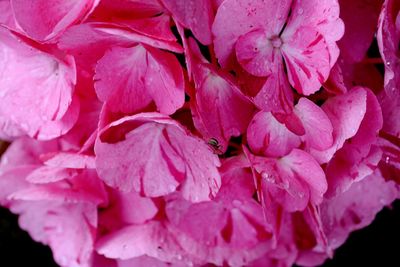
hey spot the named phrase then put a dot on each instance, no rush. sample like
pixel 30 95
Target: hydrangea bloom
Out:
pixel 190 133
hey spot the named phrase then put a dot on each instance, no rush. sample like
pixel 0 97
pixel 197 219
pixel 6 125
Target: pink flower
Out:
pixel 168 133
pixel 255 31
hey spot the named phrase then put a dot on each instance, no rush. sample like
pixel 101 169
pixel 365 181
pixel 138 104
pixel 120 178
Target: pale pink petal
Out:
pixel 125 209
pixel 12 180
pixel 49 222
pixel 144 74
pixel 267 136
pixel 150 239
pixel 148 262
pixel 153 155
pixel 52 79
pixel 70 160
pixel 256 54
pixel 75 188
pixel 318 127
pixel 197 15
pixel 237 17
pixel 43 20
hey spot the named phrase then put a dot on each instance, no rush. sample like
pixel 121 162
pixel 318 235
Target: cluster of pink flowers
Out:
pixel 195 132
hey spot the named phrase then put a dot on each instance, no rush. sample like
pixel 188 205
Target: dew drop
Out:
pixel 387 160
pixel 300 11
pixel 267 177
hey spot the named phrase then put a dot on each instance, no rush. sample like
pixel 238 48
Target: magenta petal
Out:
pixel 276 95
pixel 197 15
pixel 221 110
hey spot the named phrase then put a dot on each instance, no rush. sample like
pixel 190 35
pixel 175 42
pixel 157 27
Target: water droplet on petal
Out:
pixel 268 177
pixel 300 11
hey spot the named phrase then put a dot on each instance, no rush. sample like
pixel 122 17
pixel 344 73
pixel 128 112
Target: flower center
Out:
pixel 276 41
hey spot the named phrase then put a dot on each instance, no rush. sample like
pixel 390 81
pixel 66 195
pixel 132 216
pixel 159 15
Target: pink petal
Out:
pixel 75 188
pixel 346 113
pixel 125 209
pixel 352 210
pixel 238 226
pixel 267 136
pixel 237 17
pixel 276 95
pixel 151 239
pixel 358 158
pixel 323 17
pixel 256 54
pixel 151 154
pixel 292 181
pixel 70 160
pixel 155 27
pixel 6 15
pixel 197 15
pixel 318 127
pixel 43 20
pixel 53 79
pixel 221 110
pixel 66 228
pixel 307 59
pixel 144 75
pixel 148 262
pixel 306 168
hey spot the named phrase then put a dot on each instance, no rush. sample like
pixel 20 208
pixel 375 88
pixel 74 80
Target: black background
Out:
pixel 376 245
